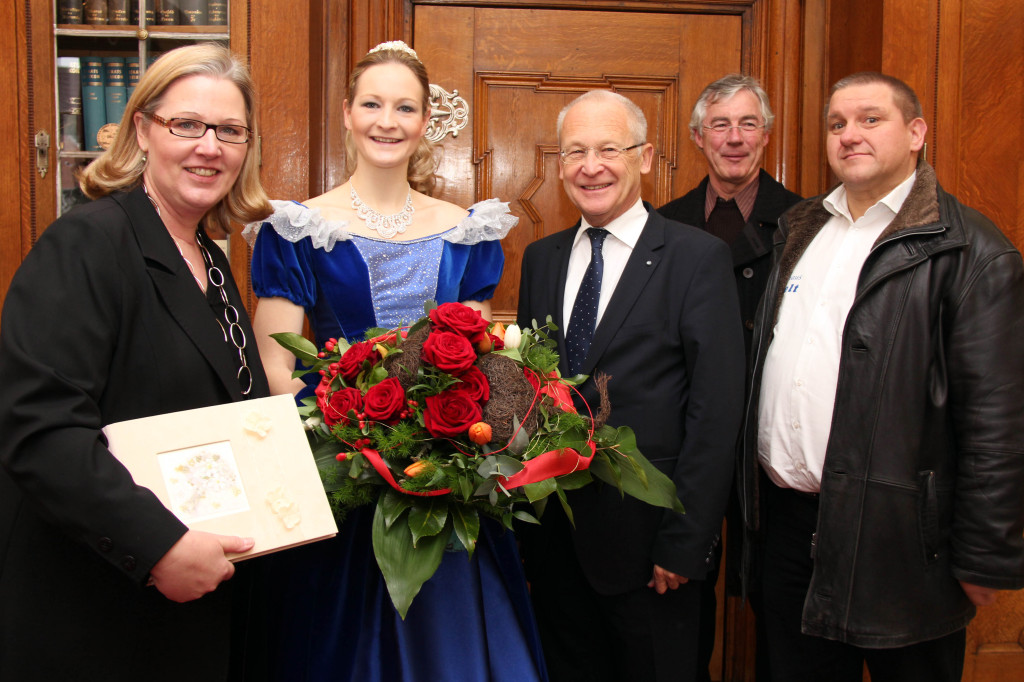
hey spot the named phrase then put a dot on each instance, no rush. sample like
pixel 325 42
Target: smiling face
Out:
pixel 386 116
pixel 189 176
pixel 871 147
pixel 734 158
pixel 602 190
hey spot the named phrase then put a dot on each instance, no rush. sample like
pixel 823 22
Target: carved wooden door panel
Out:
pixel 518 67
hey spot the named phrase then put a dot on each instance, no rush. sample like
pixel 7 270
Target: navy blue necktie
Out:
pixel 583 318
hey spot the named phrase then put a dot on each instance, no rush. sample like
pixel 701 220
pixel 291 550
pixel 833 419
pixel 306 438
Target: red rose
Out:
pixel 459 319
pixel 449 352
pixel 474 384
pixel 351 362
pixel 450 413
pixel 336 406
pixel 560 393
pixel 384 401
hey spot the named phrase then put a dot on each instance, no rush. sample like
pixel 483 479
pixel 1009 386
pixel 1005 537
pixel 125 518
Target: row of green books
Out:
pixel 157 12
pixel 92 93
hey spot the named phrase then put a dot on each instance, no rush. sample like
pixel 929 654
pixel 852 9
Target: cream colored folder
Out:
pixel 242 468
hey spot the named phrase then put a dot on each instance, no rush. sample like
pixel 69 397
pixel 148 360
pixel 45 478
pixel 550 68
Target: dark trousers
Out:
pixel 789 522
pixel 637 636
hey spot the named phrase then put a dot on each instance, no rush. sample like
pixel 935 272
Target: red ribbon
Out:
pixel 550 464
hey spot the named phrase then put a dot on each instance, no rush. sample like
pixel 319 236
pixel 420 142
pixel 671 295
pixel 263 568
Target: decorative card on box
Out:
pixel 242 468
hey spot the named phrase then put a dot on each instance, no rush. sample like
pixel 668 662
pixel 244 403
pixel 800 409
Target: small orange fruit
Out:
pixel 480 433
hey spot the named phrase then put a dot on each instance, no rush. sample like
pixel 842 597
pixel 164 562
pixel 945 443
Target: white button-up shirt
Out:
pixel 618 245
pixel 801 370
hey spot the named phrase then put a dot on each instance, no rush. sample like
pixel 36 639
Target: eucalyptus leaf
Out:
pixel 510 353
pixel 521 440
pixel 498 465
pixel 485 487
pixel 405 568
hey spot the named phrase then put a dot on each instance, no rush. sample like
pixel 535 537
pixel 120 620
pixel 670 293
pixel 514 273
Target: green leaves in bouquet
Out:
pixel 404 565
pixel 630 472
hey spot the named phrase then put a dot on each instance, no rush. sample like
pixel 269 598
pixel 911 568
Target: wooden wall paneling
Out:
pixel 335 32
pixel 349 30
pixel 964 59
pixel 523 78
pixel 279 58
pixel 37 113
pixel 990 101
pixel 812 174
pixel 12 206
pixel 910 52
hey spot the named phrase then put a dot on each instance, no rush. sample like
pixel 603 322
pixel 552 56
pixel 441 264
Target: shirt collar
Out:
pixel 626 228
pixel 745 198
pixel 836 202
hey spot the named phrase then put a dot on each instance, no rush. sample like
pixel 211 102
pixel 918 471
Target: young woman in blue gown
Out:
pixel 366 254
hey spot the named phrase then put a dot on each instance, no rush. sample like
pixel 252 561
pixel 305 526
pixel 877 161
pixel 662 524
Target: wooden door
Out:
pixel 517 68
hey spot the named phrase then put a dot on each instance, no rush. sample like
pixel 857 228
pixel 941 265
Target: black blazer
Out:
pixel 103 322
pixel 752 250
pixel 670 339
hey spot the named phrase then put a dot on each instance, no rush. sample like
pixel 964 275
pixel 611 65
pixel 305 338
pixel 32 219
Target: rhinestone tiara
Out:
pixel 396 45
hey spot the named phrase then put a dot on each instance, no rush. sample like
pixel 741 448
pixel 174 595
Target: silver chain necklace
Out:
pixel 387 226
pixel 233 333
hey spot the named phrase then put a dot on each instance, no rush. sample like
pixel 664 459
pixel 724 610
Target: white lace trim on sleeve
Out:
pixel 488 220
pixel 293 221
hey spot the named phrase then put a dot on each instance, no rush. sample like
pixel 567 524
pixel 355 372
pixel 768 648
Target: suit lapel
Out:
pixel 177 289
pixel 640 267
pixel 559 266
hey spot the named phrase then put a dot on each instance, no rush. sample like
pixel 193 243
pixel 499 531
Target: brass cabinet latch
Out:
pixel 42 153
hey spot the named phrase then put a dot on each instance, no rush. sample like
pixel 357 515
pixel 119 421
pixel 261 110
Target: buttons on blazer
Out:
pixel 129 563
pixel 748 272
pixel 105 544
pixel 749 324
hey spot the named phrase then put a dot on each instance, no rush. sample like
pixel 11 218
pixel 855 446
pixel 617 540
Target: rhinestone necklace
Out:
pixel 387 226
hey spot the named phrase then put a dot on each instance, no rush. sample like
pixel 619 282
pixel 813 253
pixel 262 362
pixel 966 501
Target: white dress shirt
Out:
pixel 801 370
pixel 618 245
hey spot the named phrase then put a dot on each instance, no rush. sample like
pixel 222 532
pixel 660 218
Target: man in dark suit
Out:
pixel 651 303
pixel 740 203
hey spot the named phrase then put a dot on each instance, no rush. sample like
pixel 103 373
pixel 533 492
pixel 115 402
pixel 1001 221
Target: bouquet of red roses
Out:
pixel 449 419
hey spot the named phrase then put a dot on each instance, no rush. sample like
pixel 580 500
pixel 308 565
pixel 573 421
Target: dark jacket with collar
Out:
pixel 924 465
pixel 670 340
pixel 752 250
pixel 103 322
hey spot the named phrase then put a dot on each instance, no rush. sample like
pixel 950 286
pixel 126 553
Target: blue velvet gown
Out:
pixel 325 606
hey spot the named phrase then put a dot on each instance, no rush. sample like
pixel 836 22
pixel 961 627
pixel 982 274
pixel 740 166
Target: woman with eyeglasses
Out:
pixel 125 308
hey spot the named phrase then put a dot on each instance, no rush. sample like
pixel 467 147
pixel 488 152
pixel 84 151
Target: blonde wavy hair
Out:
pixel 424 160
pixel 121 166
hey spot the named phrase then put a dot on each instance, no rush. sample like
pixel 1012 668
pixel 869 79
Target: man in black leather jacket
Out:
pixel 884 441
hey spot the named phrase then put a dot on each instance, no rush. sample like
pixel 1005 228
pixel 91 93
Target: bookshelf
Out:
pixel 100 49
pixel 45 112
